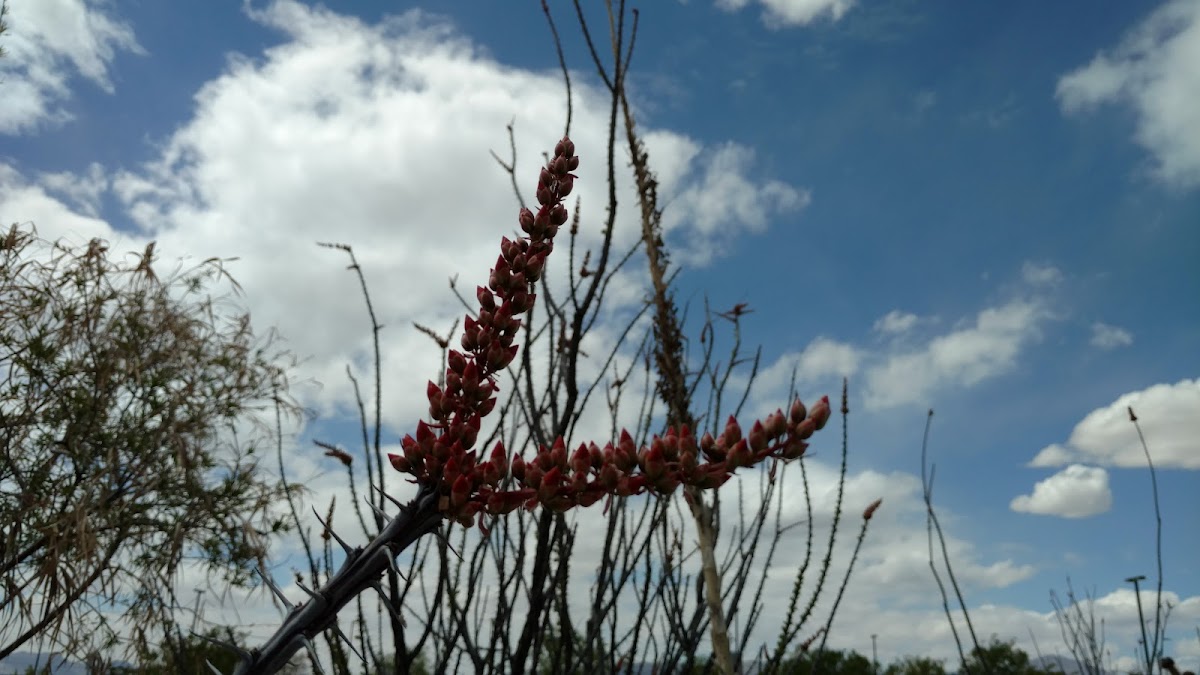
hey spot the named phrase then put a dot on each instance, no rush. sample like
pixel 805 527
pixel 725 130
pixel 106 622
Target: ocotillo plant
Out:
pixel 455 483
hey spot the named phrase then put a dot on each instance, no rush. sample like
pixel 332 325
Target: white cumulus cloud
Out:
pixel 378 135
pixel 720 193
pixel 818 367
pixel 1169 415
pixel 1040 274
pixel 1075 492
pixel 895 321
pixel 26 202
pixel 48 41
pixel 1156 71
pixel 782 13
pixel 983 349
pixel 1105 336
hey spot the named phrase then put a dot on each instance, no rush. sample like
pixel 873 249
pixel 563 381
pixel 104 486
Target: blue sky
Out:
pixel 991 210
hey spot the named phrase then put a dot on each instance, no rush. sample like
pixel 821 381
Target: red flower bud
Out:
pixel 671 446
pixel 413 451
pixel 820 413
pixel 498 356
pixel 486 406
pixel 499 278
pixel 470 377
pixel 541 221
pixel 455 361
pixel 450 473
pixel 533 476
pixel 518 284
pixel 518 468
pixel 440 451
pixel 657 444
pixel 757 437
pixel 687 460
pixel 542 459
pixel 565 147
pixel 732 433
pixel 798 412
pixel 550 484
pixel 470 336
pixel 487 299
pixel 533 270
pixel 432 391
pixel 453 381
pixel 870 511
pixel 499 457
pixel 558 166
pixel 739 455
pixel 805 428
pixel 469 433
pixel 489 473
pixel 708 445
pixel 425 436
pixel 609 477
pixel 525 218
pixel 652 462
pixel 400 463
pixel 626 443
pixel 581 460
pixel 597 455
pixel 517 262
pixel 776 424
pixel 558 453
pixel 558 215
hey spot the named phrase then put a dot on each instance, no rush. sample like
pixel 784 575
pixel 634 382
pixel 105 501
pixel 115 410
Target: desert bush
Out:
pixel 127 440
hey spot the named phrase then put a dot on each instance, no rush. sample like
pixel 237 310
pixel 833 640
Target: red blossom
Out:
pixel 440 451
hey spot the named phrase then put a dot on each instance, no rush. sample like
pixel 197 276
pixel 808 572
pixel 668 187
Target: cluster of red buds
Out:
pixel 441 452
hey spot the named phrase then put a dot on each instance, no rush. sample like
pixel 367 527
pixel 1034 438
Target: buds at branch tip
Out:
pixel 400 463
pixel 460 492
pixel 798 412
pixel 733 432
pixel 581 460
pixel 463 485
pixel 499 457
pixel 558 453
pixel 757 437
pixel 870 510
pixel 820 413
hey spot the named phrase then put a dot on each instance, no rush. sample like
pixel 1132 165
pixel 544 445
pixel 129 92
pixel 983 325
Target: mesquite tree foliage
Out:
pixel 126 441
